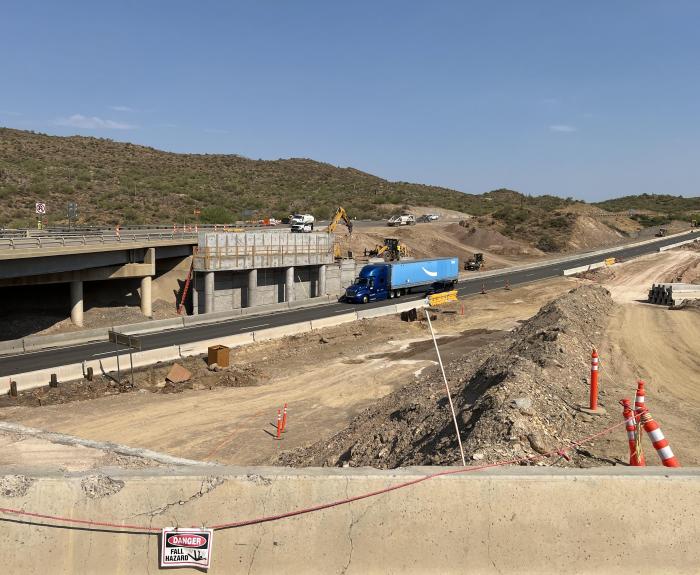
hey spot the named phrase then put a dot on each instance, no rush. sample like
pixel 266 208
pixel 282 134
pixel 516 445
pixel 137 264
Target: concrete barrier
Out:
pixel 333 320
pixel 37 342
pixel 676 245
pixel 282 331
pixel 39 378
pixel 264 309
pixel 376 311
pixel 148 326
pixel 200 347
pixel 581 269
pixel 509 520
pixel 404 306
pixel 11 346
pixel 204 318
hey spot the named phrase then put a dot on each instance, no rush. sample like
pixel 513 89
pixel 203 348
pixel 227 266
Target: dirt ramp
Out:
pixel 513 399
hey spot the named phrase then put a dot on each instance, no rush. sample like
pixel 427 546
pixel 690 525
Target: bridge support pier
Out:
pixel 146 308
pixel 76 302
pixel 252 298
pixel 208 292
pixel 289 284
pixel 321 289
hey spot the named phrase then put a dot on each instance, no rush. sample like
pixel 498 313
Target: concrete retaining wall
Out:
pixel 510 520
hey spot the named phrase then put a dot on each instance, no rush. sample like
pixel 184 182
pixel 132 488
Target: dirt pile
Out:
pixel 146 380
pixel 513 399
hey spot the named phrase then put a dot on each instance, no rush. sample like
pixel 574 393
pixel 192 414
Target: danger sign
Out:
pixel 186 547
pixel 40 208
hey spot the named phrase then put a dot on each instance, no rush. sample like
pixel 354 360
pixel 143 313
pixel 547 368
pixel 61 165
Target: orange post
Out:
pixel 284 417
pixel 634 440
pixel 483 288
pixel 279 424
pixel 658 440
pixel 594 381
pixel 507 284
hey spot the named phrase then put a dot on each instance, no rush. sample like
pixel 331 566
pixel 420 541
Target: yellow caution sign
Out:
pixel 441 298
pixel 609 261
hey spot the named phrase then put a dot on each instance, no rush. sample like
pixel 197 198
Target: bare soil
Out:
pixel 326 377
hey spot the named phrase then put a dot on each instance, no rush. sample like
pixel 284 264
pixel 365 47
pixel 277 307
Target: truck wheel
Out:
pixel 365 299
pixel 398 293
pixel 392 294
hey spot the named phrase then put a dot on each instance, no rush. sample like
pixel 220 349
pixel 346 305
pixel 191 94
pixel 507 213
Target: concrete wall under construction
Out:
pixel 232 288
pixel 248 269
pixel 508 520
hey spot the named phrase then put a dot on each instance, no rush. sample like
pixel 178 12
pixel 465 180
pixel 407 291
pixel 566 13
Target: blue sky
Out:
pixel 589 99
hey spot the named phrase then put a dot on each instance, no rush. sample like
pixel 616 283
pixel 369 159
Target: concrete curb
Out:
pixel 282 331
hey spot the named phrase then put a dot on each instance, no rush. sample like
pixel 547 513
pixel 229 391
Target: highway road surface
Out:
pixel 15 364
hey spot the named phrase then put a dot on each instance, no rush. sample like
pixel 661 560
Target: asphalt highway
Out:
pixel 14 364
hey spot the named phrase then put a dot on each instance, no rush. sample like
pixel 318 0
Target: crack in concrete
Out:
pixel 208 485
pixel 261 527
pixel 488 532
pixel 353 522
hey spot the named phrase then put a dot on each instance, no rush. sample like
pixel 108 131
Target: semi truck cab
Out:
pixel 370 285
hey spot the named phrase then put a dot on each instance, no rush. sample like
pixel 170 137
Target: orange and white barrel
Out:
pixel 658 440
pixel 636 455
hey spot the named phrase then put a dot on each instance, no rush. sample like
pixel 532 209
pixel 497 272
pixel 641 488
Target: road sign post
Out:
pixel 132 343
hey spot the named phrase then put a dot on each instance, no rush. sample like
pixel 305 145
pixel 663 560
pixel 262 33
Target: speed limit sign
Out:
pixel 40 208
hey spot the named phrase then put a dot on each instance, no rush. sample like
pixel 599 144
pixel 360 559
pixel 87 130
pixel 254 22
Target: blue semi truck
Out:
pixel 393 279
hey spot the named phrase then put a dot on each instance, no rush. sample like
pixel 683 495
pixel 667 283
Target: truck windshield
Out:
pixel 361 282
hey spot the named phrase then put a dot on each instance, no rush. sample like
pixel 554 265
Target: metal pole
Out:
pixel 119 373
pixel 449 395
pixel 131 361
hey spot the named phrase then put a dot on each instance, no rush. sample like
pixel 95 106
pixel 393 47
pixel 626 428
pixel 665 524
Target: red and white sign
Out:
pixel 40 208
pixel 186 547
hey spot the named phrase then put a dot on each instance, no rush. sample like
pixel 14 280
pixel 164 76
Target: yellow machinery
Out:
pixel 340 215
pixel 392 250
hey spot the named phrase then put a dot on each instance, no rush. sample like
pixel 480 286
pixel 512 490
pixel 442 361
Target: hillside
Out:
pixel 120 182
pixel 115 182
pixel 655 209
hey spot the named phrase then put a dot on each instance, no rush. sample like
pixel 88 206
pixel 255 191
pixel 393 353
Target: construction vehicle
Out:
pixel 661 233
pixel 475 264
pixel 302 223
pixel 403 220
pixel 392 250
pixel 340 215
pixel 394 279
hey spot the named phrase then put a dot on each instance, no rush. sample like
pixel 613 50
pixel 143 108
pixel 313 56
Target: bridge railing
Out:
pixel 54 241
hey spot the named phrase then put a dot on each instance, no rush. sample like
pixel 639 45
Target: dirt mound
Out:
pixel 515 398
pixel 490 240
pixel 590 233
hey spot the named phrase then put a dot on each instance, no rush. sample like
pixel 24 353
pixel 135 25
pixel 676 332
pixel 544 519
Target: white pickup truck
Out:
pixel 404 220
pixel 302 223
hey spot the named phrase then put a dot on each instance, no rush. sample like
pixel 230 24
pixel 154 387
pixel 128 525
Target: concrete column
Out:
pixel 208 292
pixel 146 308
pixel 321 285
pixel 76 303
pixel 252 288
pixel 289 284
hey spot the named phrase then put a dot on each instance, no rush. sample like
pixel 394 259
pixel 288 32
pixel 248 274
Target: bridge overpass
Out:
pixel 74 259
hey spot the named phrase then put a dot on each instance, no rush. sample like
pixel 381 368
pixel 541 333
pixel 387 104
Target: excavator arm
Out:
pixel 340 215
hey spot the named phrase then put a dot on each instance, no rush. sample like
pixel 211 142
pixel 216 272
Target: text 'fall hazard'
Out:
pixel 186 548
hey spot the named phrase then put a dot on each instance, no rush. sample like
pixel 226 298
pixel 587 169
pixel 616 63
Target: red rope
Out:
pixel 148 530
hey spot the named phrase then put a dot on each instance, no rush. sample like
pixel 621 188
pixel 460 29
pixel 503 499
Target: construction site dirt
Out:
pixel 370 392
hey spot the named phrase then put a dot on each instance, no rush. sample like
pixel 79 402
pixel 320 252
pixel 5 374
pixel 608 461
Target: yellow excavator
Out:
pixel 340 216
